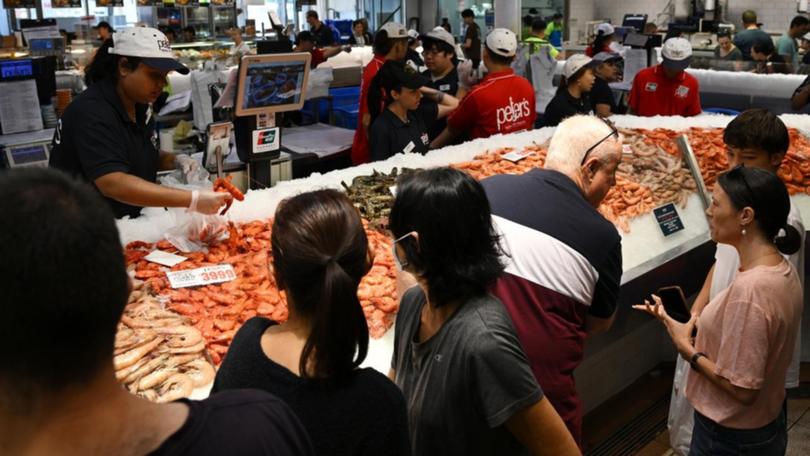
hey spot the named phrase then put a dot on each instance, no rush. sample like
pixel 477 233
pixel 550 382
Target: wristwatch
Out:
pixel 693 361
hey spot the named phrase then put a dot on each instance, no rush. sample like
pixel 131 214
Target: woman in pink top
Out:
pixel 746 333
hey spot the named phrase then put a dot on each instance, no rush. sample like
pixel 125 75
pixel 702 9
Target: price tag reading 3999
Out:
pixel 201 276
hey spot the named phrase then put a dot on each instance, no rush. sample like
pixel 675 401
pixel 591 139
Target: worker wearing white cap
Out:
pixel 412 58
pixel 439 52
pixel 107 134
pixel 572 94
pixel 667 89
pixel 501 103
pixel 605 34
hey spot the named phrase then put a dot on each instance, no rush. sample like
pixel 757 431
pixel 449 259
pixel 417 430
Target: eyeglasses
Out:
pixel 613 132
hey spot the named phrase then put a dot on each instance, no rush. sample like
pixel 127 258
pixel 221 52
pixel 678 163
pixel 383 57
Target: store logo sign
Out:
pixel 266 140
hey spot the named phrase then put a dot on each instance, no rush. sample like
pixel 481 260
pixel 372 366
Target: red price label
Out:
pixel 201 276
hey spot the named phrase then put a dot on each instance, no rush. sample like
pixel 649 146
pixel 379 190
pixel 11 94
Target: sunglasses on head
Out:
pixel 613 132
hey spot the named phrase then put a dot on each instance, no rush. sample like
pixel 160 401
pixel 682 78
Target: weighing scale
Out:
pixel 266 85
pixel 26 149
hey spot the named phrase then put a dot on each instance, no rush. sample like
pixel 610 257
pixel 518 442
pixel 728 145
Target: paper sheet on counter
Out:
pixel 19 107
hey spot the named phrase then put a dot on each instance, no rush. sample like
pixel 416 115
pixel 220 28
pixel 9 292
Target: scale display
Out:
pixel 12 69
pixel 28 155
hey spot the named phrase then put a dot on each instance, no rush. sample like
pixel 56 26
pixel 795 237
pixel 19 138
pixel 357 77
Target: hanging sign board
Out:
pixel 66 3
pixel 106 3
pixel 10 4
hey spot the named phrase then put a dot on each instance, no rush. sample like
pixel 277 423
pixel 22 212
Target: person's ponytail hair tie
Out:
pixel 788 241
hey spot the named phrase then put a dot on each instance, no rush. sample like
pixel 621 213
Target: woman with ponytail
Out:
pixel 605 36
pixel 404 122
pixel 311 361
pixel 746 334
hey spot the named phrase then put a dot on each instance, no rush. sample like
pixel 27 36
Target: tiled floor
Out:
pixel 608 419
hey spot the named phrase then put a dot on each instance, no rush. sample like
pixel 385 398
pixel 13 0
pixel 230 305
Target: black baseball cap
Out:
pixel 104 24
pixel 406 75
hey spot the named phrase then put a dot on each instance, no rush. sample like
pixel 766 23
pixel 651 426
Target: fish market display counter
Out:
pixel 652 174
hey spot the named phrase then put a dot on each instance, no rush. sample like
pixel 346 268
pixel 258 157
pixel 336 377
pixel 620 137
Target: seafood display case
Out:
pixel 652 174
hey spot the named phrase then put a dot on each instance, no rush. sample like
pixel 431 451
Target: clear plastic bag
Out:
pixel 198 233
pixel 681 414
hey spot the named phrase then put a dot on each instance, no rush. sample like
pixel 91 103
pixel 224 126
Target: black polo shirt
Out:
pixel 601 93
pixel 389 135
pixel 96 137
pixel 323 36
pixel 449 85
pixel 563 106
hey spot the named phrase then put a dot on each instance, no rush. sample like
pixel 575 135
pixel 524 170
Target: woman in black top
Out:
pixel 606 70
pixel 572 94
pixel 320 253
pixel 457 357
pixel 404 124
pixel 360 36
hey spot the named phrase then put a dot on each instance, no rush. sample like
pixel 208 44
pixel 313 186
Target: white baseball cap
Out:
pixel 150 45
pixel 677 53
pixel 502 42
pixel 439 34
pixel 413 35
pixel 605 29
pixel 394 30
pixel 575 63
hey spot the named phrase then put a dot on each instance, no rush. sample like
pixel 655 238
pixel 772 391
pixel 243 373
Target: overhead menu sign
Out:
pixel 106 3
pixel 10 4
pixel 66 3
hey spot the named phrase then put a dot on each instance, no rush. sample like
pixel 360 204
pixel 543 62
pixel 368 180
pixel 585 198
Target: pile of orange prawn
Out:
pixel 218 310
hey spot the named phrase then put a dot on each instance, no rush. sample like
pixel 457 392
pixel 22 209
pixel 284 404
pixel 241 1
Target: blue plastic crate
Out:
pixel 346 118
pixel 322 110
pixel 345 97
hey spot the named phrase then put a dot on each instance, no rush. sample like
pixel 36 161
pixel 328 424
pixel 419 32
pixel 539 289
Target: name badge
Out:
pixel 682 91
pixel 444 87
pixel 411 146
pixel 651 87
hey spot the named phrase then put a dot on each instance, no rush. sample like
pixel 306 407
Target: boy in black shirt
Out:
pixel 58 391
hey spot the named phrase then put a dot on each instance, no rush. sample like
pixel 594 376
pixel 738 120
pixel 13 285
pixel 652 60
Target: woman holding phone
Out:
pixel 746 334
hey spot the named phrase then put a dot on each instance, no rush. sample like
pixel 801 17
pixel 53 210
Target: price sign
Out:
pixel 201 276
pixel 517 155
pixel 668 219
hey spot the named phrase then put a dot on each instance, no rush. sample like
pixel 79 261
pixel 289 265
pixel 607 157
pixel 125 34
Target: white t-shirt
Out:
pixel 728 263
pixel 236 52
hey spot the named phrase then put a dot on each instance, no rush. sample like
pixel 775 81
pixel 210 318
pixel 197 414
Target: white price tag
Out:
pixel 164 258
pixel 517 156
pixel 201 276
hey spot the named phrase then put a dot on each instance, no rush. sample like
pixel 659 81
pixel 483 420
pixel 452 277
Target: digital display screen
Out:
pixel 40 45
pixel 28 154
pixel 273 84
pixel 10 69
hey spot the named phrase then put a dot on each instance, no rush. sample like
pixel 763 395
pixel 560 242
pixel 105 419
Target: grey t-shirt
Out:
pixel 465 382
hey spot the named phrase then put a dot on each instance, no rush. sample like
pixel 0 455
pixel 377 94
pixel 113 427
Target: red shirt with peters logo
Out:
pixel 360 151
pixel 654 94
pixel 501 103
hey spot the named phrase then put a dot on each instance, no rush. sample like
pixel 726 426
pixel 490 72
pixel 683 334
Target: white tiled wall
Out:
pixel 774 14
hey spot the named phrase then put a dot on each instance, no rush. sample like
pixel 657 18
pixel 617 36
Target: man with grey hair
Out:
pixel 561 281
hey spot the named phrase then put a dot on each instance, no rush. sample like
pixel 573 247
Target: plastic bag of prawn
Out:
pixel 199 230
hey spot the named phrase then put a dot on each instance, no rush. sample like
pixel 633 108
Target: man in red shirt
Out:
pixel 390 43
pixel 666 89
pixel 305 42
pixel 501 103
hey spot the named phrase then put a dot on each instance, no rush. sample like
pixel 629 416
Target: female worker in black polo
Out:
pixel 404 123
pixel 106 135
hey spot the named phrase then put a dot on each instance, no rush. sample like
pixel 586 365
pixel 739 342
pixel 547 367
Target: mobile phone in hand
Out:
pixel 674 303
